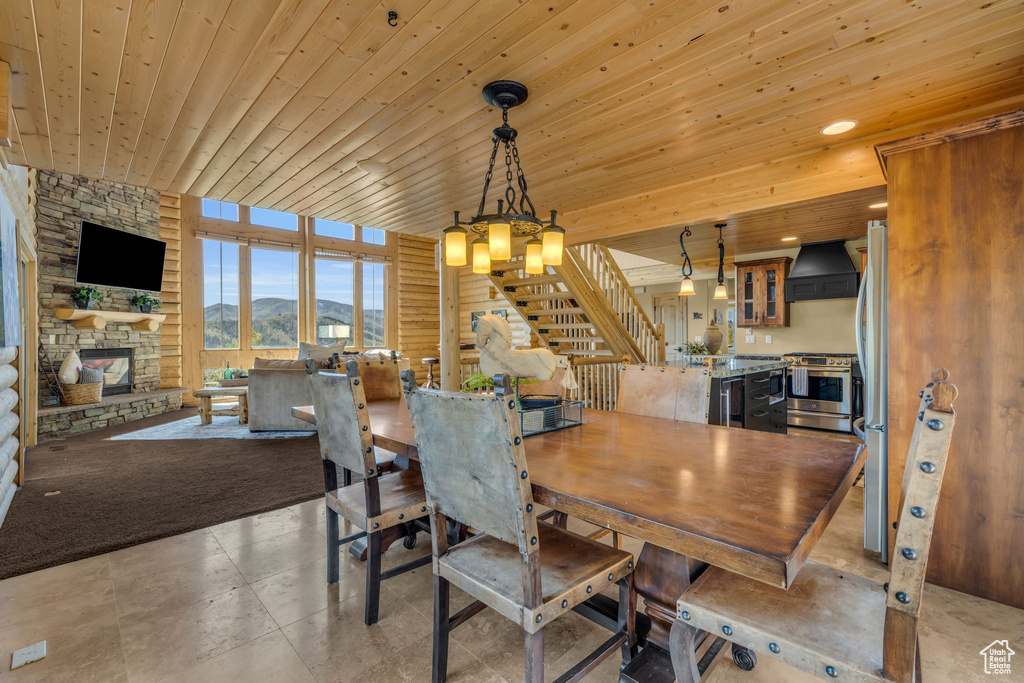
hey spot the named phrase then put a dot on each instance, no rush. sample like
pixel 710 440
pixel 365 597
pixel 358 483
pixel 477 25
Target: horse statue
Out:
pixel 498 356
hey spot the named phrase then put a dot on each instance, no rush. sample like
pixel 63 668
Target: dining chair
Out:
pixel 475 473
pixel 671 393
pixel 374 504
pixel 830 623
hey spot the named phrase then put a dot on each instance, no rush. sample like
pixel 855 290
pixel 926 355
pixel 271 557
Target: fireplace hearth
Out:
pixel 116 365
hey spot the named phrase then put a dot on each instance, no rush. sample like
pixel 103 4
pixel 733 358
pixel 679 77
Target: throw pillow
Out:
pixel 91 375
pixel 70 369
pixel 317 352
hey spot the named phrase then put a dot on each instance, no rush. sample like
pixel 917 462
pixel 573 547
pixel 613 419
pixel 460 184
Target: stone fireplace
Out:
pixel 116 365
pixel 62 202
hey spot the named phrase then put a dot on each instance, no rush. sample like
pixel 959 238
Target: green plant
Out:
pixel 146 300
pixel 479 380
pixel 696 348
pixel 86 294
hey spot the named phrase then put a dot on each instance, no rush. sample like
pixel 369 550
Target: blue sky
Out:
pixel 274 274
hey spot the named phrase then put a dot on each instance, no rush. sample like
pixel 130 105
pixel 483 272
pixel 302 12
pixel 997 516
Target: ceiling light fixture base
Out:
pixel 505 94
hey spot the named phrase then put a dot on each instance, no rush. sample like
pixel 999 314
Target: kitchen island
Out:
pixel 747 392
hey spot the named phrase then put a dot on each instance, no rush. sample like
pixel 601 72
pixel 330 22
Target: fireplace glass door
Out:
pixel 116 365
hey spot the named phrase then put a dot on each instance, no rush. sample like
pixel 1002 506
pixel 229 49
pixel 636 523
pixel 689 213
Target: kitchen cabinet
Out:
pixel 760 293
pixel 746 402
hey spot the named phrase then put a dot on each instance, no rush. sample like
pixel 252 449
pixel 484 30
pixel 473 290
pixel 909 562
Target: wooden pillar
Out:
pixel 449 356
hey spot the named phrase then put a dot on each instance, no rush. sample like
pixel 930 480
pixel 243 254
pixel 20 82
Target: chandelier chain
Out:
pixel 510 192
pixel 487 178
pixel 523 196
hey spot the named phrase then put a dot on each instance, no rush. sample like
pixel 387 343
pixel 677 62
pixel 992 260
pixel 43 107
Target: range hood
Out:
pixel 823 270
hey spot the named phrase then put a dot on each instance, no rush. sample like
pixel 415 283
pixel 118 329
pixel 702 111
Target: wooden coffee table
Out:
pixel 207 395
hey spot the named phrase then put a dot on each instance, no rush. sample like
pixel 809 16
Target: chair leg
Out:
pixel 373 553
pixel 684 657
pixel 439 668
pixel 627 617
pixel 534 657
pixel 333 547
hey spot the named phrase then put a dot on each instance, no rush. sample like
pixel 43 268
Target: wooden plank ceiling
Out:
pixel 836 217
pixel 642 114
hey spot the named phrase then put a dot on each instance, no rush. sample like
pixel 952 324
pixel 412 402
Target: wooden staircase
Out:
pixel 583 307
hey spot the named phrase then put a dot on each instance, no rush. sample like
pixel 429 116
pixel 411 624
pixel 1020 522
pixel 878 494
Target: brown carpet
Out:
pixel 115 494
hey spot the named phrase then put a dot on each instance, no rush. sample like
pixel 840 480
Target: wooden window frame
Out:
pixel 308 245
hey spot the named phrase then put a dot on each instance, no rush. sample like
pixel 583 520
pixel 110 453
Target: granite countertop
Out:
pixel 735 367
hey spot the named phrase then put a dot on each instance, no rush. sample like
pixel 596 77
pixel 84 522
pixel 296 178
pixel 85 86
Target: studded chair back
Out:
pixel 473 462
pixel 382 378
pixel 342 420
pixel 925 467
pixel 672 393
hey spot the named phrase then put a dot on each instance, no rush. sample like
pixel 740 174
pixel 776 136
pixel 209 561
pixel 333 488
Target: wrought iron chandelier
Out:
pixel 516 215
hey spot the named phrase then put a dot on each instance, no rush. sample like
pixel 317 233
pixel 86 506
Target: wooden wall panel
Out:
pixel 956 255
pixel 170 331
pixel 419 301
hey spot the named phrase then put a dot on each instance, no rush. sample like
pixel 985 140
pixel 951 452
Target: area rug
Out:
pixel 93 493
pixel 220 427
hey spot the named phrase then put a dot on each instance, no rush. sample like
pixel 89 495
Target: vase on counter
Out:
pixel 712 338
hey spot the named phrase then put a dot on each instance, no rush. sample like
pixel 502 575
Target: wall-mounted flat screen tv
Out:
pixel 115 258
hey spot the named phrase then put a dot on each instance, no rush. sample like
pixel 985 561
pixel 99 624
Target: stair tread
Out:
pixel 585 352
pixel 544 296
pixel 535 280
pixel 582 340
pixel 559 311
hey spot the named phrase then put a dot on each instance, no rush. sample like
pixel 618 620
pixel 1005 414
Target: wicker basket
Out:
pixel 81 394
pixel 240 382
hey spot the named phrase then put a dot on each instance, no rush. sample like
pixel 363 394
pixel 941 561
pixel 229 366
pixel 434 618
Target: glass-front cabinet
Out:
pixel 762 292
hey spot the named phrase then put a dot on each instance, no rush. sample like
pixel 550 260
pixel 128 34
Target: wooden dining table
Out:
pixel 749 502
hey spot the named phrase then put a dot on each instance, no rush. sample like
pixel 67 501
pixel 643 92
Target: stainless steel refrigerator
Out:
pixel 871 352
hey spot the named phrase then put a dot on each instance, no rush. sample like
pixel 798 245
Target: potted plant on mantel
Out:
pixel 144 303
pixel 85 297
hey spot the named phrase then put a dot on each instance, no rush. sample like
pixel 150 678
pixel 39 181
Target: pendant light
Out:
pixel 534 257
pixel 481 256
pixel 455 244
pixel 516 215
pixel 686 288
pixel 720 291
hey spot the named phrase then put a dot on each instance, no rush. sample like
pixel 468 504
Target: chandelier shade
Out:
pixel 481 256
pixel 516 216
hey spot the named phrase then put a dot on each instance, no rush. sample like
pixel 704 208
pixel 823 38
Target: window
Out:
pixel 275 299
pixel 222 210
pixel 344 231
pixel 373 304
pixel 334 302
pixel 220 295
pixel 273 219
pixel 373 236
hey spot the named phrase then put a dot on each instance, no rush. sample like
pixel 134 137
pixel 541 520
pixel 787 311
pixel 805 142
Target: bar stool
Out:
pixel 430 383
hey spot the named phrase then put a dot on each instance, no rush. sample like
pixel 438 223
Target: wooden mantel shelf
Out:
pixel 87 319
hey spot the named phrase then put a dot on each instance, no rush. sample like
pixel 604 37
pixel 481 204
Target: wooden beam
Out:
pixel 6 117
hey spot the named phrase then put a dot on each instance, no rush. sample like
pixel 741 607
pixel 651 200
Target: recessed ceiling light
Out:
pixel 839 127
pixel 879 205
pixel 789 239
pixel 375 167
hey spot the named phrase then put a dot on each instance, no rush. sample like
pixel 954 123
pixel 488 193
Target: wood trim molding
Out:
pixel 6 113
pixel 948 134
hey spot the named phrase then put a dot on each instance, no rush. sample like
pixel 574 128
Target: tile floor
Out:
pixel 246 601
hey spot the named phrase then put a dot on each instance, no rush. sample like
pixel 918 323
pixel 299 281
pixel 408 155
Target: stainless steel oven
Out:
pixel 825 400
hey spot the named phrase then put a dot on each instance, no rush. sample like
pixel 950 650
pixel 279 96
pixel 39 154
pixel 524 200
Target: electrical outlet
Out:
pixel 27 655
pixel 767 339
pixel 749 331
pixel 750 339
pixel 698 338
